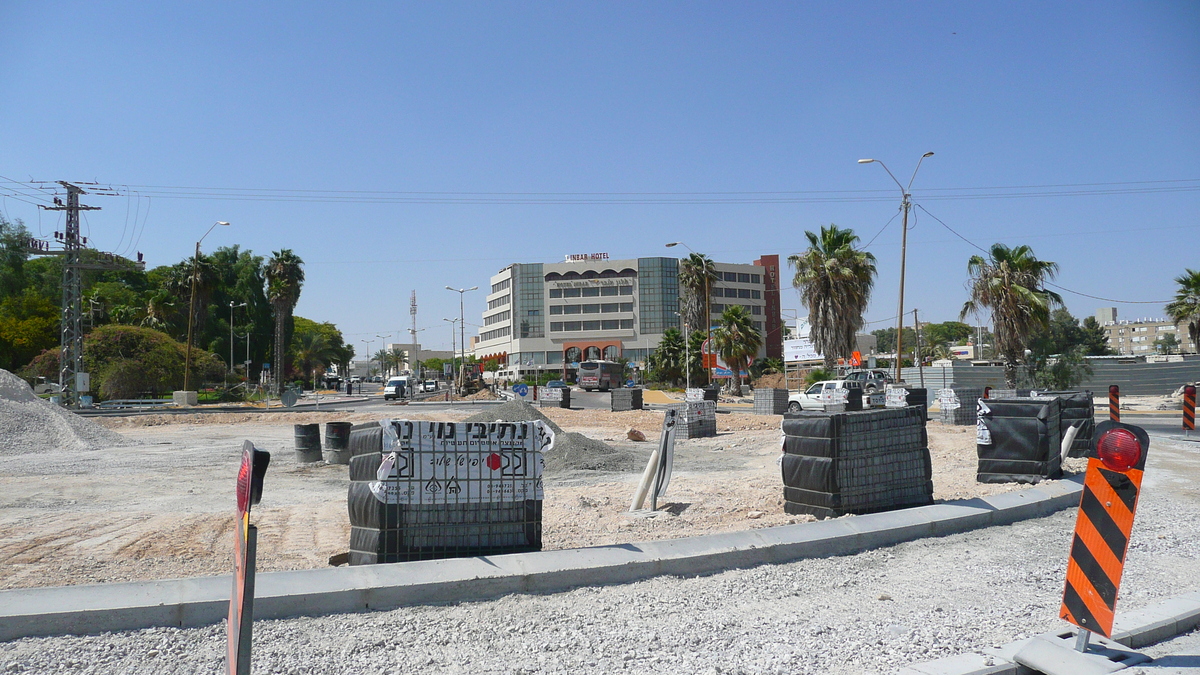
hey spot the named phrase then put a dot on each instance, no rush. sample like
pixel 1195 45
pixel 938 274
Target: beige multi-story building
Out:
pixel 1137 337
pixel 541 316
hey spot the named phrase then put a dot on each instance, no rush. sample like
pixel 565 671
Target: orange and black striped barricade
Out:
pixel 1106 508
pixel 1114 403
pixel 1189 409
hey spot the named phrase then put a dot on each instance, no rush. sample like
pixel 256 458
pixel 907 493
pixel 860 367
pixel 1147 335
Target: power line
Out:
pixel 1063 288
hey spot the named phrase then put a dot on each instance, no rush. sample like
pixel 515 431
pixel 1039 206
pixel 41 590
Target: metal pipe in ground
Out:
pixel 1114 403
pixel 1189 409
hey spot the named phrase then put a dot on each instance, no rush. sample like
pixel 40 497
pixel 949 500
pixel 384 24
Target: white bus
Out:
pixel 602 375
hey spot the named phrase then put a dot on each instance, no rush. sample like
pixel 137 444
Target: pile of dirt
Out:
pixel 30 425
pixel 772 381
pixel 481 395
pixel 571 451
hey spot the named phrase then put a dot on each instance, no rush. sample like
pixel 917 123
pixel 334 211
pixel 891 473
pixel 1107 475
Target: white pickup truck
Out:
pixel 810 399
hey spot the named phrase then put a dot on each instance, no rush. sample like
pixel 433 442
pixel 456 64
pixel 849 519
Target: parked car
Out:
pixel 557 384
pixel 872 380
pixel 429 385
pixel 396 387
pixel 356 379
pixel 810 399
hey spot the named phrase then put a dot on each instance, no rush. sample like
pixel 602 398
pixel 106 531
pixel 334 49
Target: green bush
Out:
pixel 129 361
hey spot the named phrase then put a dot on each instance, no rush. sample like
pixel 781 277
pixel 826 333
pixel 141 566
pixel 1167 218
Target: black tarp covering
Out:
pixel 1018 440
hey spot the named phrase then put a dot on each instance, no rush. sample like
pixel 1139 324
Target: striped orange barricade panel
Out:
pixel 1102 529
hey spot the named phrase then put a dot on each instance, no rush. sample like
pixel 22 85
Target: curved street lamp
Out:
pixel 905 205
pixel 462 323
pixel 187 363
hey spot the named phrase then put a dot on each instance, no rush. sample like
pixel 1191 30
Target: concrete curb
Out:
pixel 1135 629
pixel 205 600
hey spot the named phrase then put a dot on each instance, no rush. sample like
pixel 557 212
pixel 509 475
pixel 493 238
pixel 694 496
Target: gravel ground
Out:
pixel 868 613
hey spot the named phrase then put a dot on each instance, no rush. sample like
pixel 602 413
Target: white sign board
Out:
pixel 550 393
pixel 801 348
pixel 835 396
pixel 896 397
pixel 461 462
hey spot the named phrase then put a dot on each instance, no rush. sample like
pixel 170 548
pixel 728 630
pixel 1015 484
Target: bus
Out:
pixel 602 375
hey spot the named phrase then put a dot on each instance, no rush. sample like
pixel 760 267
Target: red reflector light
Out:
pixel 243 486
pixel 1119 449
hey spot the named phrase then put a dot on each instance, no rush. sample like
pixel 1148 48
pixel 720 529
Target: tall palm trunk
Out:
pixel 283 316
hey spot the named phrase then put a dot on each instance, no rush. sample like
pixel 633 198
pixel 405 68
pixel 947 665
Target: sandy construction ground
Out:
pixel 162 507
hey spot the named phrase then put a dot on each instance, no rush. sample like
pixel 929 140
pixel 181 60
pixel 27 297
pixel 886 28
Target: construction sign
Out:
pixel 241 600
pixel 1106 508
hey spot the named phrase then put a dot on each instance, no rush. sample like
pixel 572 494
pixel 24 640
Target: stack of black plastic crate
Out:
pixel 383 533
pixel 770 401
pixel 856 462
pixel 967 399
pixel 626 399
pixel 1018 440
pixel 698 419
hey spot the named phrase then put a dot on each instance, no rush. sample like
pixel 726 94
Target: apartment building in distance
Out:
pixel 542 315
pixel 1137 337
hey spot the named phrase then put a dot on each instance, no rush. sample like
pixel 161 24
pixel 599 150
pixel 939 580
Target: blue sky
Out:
pixel 519 98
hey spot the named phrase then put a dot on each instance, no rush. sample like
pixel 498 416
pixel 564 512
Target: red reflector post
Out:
pixel 1119 449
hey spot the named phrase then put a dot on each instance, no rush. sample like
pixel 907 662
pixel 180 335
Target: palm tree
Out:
pixel 667 360
pixel 1185 308
pixel 737 342
pixel 1009 282
pixel 835 281
pixel 314 353
pixel 285 276
pixel 697 273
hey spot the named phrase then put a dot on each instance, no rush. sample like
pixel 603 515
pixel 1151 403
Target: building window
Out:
pixel 626 324
pixel 573 354
pixel 757 326
pixel 556 309
pixel 610 353
pixel 756 309
pixel 717 309
pixel 625 290
pixel 591 292
pixel 556 292
pixel 556 327
pixel 610 324
pixel 499 302
pixel 743 278
pixel 591 309
pixel 493 334
pixel 571 292
pixel 496 318
pixel 591 354
pixel 730 276
pixel 756 294
pixel 609 290
pixel 571 326
pixel 744 293
pixel 610 307
pixel 755 279
pixel 591 325
pixel 626 306
pixel 572 309
pixel 501 285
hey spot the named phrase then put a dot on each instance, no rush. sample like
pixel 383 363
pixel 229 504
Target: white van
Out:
pixel 396 387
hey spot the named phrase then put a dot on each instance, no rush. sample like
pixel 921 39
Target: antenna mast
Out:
pixel 413 362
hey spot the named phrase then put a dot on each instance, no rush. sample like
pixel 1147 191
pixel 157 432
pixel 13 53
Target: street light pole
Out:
pixel 452 358
pixel 382 350
pixel 905 205
pixel 187 363
pixel 462 326
pixel 231 306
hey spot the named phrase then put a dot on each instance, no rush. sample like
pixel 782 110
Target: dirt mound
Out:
pixel 571 451
pixel 481 395
pixel 30 425
pixel 772 381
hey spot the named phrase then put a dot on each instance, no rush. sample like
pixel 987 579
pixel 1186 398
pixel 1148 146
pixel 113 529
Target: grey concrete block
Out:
pixel 963 664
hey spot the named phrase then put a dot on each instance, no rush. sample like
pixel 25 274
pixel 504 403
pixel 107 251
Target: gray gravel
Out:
pixel 29 424
pixel 868 613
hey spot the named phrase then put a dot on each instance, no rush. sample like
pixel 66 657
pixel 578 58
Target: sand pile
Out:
pixel 30 425
pixel 571 451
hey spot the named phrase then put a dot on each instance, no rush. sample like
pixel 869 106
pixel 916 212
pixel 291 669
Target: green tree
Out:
pixel 284 277
pixel 29 324
pixel 1095 341
pixel 697 274
pixel 13 256
pixel 1009 282
pixel 1167 344
pixel 737 342
pixel 667 360
pixel 945 333
pixel 313 353
pixel 835 281
pixel 1184 310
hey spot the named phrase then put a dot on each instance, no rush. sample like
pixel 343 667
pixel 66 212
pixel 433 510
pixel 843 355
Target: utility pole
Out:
pixel 413 363
pixel 71 354
pixel 920 360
